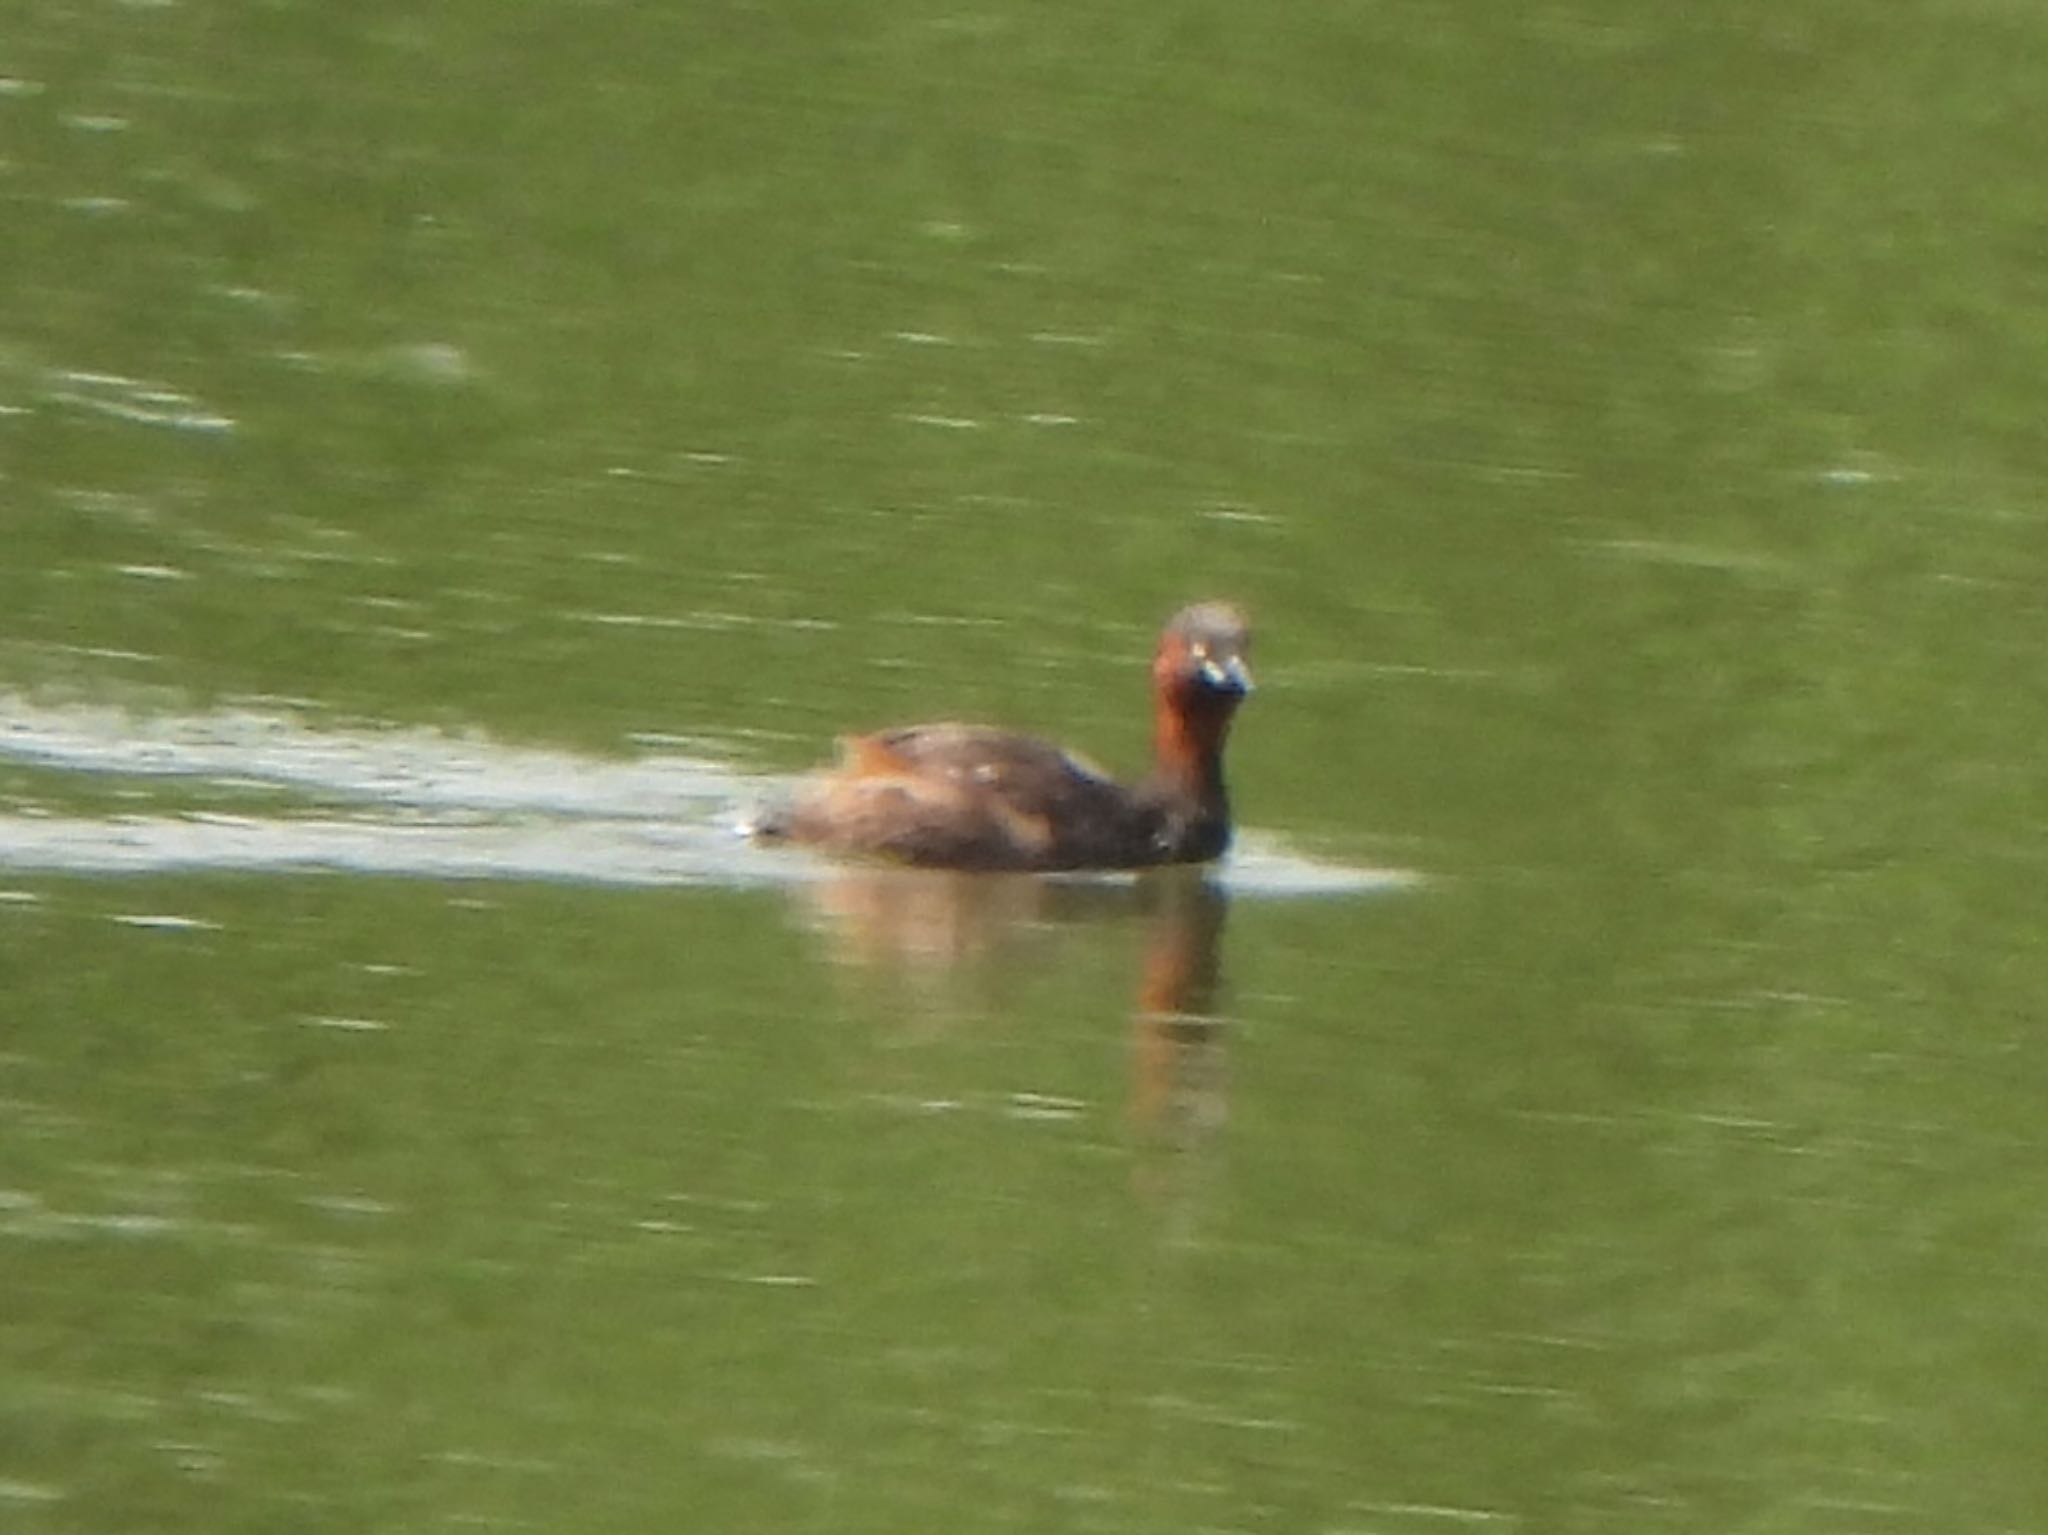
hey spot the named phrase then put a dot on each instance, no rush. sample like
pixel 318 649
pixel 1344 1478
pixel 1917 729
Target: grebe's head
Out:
pixel 1203 657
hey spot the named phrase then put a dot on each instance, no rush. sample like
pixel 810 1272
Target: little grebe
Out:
pixel 973 797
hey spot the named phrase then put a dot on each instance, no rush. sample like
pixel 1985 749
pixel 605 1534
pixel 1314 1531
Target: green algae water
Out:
pixel 453 461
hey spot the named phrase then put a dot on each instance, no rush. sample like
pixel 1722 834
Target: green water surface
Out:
pixel 1623 422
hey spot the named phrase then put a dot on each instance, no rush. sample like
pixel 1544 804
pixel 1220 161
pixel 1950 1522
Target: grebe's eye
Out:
pixel 1229 675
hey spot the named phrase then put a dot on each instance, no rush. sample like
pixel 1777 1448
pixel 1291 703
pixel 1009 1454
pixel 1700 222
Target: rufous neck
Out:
pixel 1187 743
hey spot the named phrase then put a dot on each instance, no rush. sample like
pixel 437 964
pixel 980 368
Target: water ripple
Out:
pixel 133 399
pixel 423 803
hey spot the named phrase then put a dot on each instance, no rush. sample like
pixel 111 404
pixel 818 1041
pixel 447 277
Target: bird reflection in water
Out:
pixel 936 932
